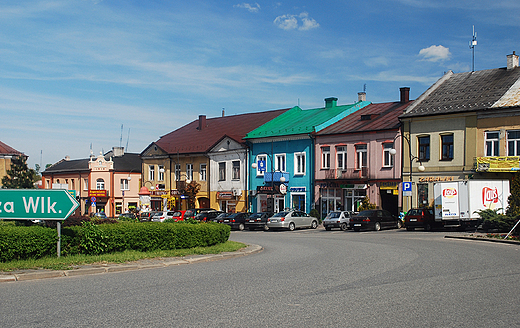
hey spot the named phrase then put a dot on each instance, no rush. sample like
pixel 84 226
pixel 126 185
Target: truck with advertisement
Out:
pixel 457 203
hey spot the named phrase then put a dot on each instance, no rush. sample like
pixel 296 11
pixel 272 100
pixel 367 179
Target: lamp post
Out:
pixel 282 178
pixel 412 157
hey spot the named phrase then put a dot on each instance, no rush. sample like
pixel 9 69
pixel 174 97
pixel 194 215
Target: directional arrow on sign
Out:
pixel 31 204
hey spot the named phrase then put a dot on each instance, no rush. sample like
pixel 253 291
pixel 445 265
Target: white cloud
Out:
pixel 435 53
pixel 254 8
pixel 301 22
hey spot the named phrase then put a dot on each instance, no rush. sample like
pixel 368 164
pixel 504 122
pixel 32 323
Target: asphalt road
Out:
pixel 312 278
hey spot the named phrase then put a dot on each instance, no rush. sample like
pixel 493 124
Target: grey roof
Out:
pixel 470 91
pixel 126 163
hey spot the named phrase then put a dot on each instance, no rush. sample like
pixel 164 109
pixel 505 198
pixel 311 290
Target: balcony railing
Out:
pixel 347 174
pixel 275 176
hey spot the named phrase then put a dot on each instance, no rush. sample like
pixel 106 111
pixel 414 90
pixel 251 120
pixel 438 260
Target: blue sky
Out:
pixel 72 72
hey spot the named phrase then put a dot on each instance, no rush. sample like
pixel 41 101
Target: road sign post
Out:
pixel 37 204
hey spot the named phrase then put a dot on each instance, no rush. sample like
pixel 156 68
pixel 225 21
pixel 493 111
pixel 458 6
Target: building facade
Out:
pixel 6 154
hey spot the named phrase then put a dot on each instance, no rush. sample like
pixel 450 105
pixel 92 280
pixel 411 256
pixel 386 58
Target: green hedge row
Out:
pixel 35 242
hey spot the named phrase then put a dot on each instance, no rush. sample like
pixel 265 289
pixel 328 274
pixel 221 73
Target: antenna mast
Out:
pixel 472 45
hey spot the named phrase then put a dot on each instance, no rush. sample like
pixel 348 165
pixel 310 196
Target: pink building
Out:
pixel 354 159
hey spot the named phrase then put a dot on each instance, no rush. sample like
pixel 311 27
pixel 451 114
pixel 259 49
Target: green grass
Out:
pixel 68 262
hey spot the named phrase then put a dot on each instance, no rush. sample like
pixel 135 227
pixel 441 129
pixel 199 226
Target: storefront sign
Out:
pixel 435 179
pixel 298 189
pixel 389 185
pixel 267 190
pixel 498 164
pixel 98 193
pixel 225 195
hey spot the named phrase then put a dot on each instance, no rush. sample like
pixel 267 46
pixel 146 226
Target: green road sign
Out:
pixel 36 204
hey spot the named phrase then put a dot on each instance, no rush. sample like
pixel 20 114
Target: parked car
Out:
pixel 338 219
pixel 147 216
pixel 207 216
pixel 258 221
pixel 178 215
pixel 192 212
pixel 292 220
pixel 161 216
pixel 375 220
pixel 419 218
pixel 100 215
pixel 235 220
pixel 127 217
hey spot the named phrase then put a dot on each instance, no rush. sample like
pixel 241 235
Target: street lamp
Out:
pixel 412 157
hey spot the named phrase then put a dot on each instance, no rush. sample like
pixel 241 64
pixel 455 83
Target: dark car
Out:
pixel 375 220
pixel 235 220
pixel 207 216
pixel 419 218
pixel 192 212
pixel 258 221
pixel 127 217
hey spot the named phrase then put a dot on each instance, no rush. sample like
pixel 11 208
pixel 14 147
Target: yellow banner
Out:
pixel 498 164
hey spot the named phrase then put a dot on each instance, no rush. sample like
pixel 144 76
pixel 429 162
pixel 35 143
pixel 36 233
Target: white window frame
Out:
pixel 280 163
pixel 100 184
pixel 161 174
pixel 299 163
pixel 261 158
pixel 513 145
pixel 151 172
pixel 189 172
pixel 85 184
pixel 124 184
pixel 203 171
pixel 388 159
pixel 235 170
pixel 361 156
pixel 492 143
pixel 325 157
pixel 341 156
pixel 222 171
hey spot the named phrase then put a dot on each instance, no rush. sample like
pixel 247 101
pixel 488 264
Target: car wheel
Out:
pixel 410 228
pixel 328 228
pixel 291 226
pixel 377 226
pixel 399 224
pixel 241 227
pixel 314 224
pixel 427 227
pixel 343 226
pixel 266 227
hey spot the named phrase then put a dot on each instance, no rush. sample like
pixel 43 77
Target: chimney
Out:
pixel 202 122
pixel 331 102
pixel 512 61
pixel 405 94
pixel 118 151
pixel 67 158
pixel 223 112
pixel 362 96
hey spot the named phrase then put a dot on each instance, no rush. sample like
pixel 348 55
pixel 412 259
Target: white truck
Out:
pixel 457 202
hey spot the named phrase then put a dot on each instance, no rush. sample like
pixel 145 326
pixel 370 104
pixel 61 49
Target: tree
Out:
pixel 513 207
pixel 19 176
pixel 366 205
pixel 191 190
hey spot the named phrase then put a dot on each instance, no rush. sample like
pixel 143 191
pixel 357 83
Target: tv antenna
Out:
pixel 472 45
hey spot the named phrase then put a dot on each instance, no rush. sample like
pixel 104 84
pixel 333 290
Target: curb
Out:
pixel 493 240
pixel 137 265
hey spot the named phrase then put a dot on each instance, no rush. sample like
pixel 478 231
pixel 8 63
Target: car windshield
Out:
pixel 280 214
pixel 333 215
pixel 177 213
pixel 256 215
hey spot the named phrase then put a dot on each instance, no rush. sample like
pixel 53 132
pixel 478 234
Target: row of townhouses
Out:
pixel 465 126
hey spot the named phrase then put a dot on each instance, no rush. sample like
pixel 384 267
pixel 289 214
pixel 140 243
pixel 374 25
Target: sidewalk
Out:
pixel 481 236
pixel 24 275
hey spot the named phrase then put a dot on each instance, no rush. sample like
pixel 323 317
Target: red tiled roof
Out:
pixel 7 150
pixel 191 139
pixel 383 116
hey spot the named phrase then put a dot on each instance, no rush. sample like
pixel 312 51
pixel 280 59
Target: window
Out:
pixel 513 143
pixel 388 159
pixel 189 172
pixel 492 139
pixel 203 174
pixel 161 173
pixel 222 171
pixel 361 154
pixel 424 148
pixel 279 162
pixel 341 157
pixel 236 170
pixel 85 184
pixel 151 172
pixel 325 157
pixel 100 184
pixel 124 184
pixel 177 172
pixel 261 158
pixel 447 147
pixel 299 163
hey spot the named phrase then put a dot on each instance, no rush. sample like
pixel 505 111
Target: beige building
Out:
pixel 6 154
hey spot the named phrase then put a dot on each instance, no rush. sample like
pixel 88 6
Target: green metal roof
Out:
pixel 299 121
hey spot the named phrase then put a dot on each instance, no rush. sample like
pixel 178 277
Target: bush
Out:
pixel 92 240
pixel 18 243
pixel 492 220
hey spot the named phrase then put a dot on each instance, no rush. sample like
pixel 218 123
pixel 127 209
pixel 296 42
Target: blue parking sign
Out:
pixel 407 186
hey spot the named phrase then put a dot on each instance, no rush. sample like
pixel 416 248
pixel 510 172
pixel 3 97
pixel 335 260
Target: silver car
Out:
pixel 161 216
pixel 292 220
pixel 338 219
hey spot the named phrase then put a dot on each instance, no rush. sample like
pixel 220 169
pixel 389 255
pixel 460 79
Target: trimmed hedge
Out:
pixel 20 243
pixel 24 243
